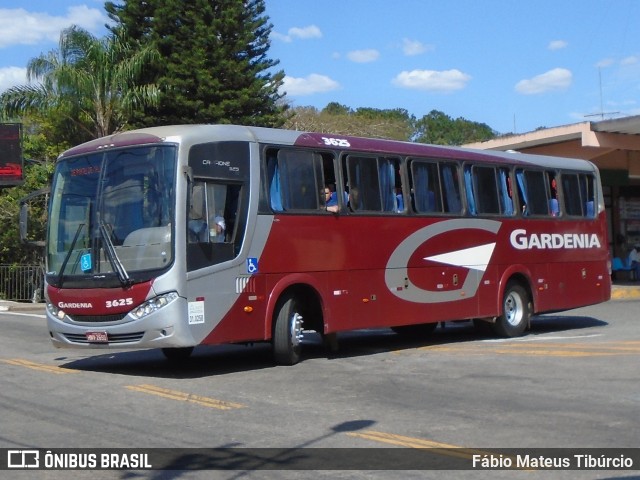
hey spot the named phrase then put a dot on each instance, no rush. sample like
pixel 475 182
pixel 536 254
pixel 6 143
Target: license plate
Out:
pixel 97 337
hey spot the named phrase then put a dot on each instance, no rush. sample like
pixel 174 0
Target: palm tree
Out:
pixel 92 82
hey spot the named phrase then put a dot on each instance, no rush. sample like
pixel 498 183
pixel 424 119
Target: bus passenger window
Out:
pixel 297 181
pixel 434 187
pixel 426 188
pixel 485 189
pixel 374 184
pixel 533 192
pixel 578 194
pixel 364 184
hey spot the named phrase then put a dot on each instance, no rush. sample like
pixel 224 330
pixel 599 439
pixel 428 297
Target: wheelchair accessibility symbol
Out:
pixel 85 262
pixel 252 265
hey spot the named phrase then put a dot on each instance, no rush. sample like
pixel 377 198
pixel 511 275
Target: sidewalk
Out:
pixel 26 307
pixel 619 291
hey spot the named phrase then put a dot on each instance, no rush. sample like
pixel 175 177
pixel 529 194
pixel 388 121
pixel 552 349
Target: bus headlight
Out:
pixel 55 311
pixel 153 305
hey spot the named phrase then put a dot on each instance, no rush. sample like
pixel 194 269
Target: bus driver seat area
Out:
pixel 198 232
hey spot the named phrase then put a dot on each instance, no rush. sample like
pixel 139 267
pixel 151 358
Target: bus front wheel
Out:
pixel 516 311
pixel 287 333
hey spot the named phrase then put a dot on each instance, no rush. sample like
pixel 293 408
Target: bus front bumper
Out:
pixel 164 328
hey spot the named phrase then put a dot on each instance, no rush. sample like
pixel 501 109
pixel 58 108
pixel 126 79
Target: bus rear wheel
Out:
pixel 516 312
pixel 287 333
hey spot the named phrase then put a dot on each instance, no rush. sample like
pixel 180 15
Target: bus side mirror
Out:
pixel 32 238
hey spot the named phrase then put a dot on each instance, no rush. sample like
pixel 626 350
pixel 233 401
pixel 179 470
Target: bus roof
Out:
pixel 195 134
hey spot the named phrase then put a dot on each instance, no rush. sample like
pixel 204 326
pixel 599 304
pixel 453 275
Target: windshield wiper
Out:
pixel 68 255
pixel 110 250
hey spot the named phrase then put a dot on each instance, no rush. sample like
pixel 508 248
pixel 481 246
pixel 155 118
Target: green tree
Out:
pixel 396 124
pixel 214 66
pixel 440 129
pixel 89 82
pixel 41 145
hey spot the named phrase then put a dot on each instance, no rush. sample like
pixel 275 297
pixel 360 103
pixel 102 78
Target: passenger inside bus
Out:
pixel 331 198
pixel 217 232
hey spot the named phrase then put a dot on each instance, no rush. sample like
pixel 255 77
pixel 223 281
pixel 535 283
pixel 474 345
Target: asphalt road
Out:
pixel 572 382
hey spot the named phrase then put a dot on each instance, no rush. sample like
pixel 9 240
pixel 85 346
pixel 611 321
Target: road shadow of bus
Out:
pixel 364 342
pixel 205 361
pixel 216 360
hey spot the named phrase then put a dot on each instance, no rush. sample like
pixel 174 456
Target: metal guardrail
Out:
pixel 22 283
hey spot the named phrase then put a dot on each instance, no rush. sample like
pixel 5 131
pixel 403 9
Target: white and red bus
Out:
pixel 173 237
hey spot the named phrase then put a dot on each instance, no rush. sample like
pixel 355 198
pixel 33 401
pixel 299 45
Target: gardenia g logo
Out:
pixel 476 259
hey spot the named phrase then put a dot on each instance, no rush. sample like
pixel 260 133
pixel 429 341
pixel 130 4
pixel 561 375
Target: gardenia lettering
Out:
pixel 75 305
pixel 522 241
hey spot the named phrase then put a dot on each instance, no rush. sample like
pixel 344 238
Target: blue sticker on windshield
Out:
pixel 85 262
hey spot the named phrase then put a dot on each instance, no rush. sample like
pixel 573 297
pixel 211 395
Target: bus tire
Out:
pixel 516 312
pixel 181 353
pixel 287 332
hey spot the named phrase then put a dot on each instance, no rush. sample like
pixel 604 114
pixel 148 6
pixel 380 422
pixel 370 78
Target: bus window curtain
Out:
pixel 422 188
pixel 387 185
pixel 451 193
pixel 590 209
pixel 468 181
pixel 523 190
pixel 274 189
pixel 355 183
pixel 507 202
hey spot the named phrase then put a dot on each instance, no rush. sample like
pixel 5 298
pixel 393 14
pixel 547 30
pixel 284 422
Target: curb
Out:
pixel 625 292
pixel 7 306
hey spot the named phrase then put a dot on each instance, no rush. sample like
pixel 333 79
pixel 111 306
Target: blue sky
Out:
pixel 513 65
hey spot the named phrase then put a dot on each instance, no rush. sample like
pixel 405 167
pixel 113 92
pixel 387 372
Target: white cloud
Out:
pixel 557 45
pixel 414 47
pixel 363 56
pixel 605 62
pixel 306 32
pixel 11 77
pixel 556 79
pixel 21 27
pixel 432 80
pixel 303 33
pixel 632 60
pixel 309 85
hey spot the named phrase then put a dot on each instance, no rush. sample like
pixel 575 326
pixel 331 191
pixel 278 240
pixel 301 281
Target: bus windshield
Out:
pixel 111 215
